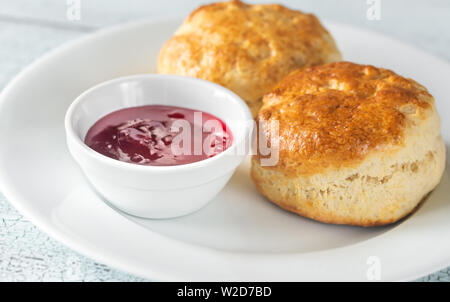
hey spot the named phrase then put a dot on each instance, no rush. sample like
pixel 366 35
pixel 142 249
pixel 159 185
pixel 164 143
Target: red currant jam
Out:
pixel 159 135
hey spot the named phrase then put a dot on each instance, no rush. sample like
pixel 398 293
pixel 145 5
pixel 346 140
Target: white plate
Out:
pixel 239 236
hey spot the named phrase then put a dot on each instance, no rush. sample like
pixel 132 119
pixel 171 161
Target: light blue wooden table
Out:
pixel 29 28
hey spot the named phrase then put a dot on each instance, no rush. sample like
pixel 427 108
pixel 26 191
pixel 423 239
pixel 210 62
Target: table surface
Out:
pixel 29 28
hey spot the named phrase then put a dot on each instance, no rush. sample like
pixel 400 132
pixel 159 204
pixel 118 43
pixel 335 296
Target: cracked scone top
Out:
pixel 357 144
pixel 335 115
pixel 246 48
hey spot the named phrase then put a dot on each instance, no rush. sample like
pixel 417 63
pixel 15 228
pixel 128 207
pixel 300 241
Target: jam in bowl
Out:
pixel 158 135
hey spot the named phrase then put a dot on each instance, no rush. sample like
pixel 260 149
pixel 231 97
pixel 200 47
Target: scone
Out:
pixel 246 48
pixel 358 145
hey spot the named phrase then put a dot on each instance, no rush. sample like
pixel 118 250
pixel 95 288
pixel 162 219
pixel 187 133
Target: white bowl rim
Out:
pixel 71 133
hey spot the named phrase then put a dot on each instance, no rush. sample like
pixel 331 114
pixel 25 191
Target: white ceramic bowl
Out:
pixel 157 191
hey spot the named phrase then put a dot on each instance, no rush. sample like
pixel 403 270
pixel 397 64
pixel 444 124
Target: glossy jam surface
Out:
pixel 159 135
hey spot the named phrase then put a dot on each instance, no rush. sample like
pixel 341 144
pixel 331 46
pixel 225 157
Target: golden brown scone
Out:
pixel 246 48
pixel 358 145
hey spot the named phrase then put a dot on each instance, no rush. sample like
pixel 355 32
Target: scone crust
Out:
pixel 246 48
pixel 335 115
pixel 359 145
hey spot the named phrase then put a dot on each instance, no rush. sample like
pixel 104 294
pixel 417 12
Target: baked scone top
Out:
pixel 334 115
pixel 246 48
